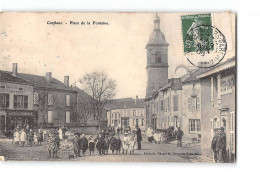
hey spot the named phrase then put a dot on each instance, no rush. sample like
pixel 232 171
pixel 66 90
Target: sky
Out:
pixel 117 49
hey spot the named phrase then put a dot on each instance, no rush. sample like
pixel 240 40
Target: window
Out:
pixel 194 103
pixel 198 103
pixel 67 116
pixel 189 104
pixel 4 100
pixel 67 100
pixel 143 122
pixel 195 125
pixel 20 101
pixel 162 105
pixel 176 121
pixel 134 114
pixel 175 103
pixel 158 57
pixel 142 112
pixel 25 102
pixel 50 99
pixel 35 98
pixel 50 117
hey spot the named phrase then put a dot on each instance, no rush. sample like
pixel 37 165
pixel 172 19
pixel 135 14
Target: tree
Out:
pixel 101 88
pixel 41 103
pixel 84 110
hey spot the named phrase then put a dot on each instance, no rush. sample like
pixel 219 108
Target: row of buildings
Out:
pixel 198 102
pixel 127 112
pixel 33 100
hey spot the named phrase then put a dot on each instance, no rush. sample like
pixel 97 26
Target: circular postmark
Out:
pixel 204 46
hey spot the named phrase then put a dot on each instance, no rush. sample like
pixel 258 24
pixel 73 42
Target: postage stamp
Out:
pixel 204 45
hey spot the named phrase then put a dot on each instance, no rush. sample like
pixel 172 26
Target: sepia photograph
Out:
pixel 118 87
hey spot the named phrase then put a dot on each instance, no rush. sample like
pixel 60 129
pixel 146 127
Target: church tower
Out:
pixel 157 59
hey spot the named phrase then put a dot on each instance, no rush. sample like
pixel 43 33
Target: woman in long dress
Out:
pixel 149 134
pixel 125 146
pixel 23 137
pixel 60 134
pixel 16 137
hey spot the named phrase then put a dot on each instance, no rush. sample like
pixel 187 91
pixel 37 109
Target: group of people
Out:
pixel 170 135
pixel 105 142
pixel 218 145
pixel 28 137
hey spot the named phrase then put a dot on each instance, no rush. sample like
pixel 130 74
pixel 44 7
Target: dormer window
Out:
pixel 158 57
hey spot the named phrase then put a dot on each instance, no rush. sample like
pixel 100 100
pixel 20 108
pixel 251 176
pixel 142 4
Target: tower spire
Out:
pixel 156 22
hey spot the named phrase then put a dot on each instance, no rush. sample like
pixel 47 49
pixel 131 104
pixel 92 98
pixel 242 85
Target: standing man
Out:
pixel 213 145
pixel 76 143
pixel 221 146
pixel 149 134
pixel 118 131
pixel 139 137
pixel 179 137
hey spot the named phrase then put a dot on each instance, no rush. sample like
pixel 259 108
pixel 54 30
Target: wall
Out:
pixel 219 108
pixel 59 107
pixel 187 114
pixel 13 89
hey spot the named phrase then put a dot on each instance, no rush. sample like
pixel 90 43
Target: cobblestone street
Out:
pixel 190 152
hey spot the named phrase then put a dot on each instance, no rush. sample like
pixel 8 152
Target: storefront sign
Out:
pixel 13 89
pixel 21 113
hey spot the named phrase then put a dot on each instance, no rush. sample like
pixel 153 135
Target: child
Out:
pixel 23 137
pixel 118 145
pixel 35 138
pixel 30 137
pixel 126 141
pixel 91 145
pixel 132 143
pixel 16 137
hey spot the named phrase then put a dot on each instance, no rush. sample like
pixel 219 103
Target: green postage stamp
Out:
pixel 203 44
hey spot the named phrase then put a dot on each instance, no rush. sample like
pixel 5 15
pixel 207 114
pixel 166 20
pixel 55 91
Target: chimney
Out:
pixel 66 80
pixel 136 98
pixel 48 77
pixel 14 71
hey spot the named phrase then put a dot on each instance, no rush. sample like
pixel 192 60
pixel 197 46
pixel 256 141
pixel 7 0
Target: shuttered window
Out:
pixel 50 116
pixel 175 103
pixel 67 117
pixel 232 131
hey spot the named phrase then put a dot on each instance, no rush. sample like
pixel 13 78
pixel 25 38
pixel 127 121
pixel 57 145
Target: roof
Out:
pixel 9 78
pixel 126 103
pixel 82 95
pixel 229 63
pixel 40 82
pixel 157 38
pixel 197 73
pixel 191 76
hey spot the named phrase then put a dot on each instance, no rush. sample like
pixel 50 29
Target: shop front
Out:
pixel 11 119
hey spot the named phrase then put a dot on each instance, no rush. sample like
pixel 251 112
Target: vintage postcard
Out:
pixel 118 87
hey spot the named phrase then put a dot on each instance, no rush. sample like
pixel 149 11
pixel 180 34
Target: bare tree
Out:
pixel 41 104
pixel 101 88
pixel 84 110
